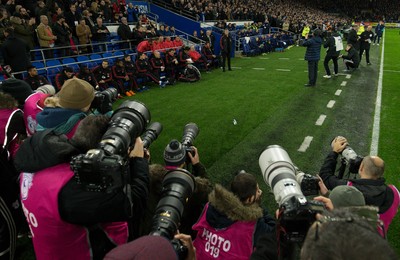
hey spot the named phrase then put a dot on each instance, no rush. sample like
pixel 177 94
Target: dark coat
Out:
pixel 353 55
pixel 376 192
pixel 226 44
pixel 330 44
pixel 313 52
pixel 15 52
pixel 353 38
pixel 366 38
pixel 124 31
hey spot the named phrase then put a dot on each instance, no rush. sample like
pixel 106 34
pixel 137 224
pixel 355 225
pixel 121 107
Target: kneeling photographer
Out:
pixel 81 201
pixel 371 182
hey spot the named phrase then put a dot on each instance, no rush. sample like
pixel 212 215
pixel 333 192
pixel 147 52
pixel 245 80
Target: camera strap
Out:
pixel 100 242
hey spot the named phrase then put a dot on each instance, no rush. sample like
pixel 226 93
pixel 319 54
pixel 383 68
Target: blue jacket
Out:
pixel 313 51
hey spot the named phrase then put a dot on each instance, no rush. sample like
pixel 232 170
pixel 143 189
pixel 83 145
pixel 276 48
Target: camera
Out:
pixel 308 183
pixel 296 213
pixel 190 132
pixel 103 100
pixel 106 168
pixel 350 158
pixel 177 188
pixel 151 134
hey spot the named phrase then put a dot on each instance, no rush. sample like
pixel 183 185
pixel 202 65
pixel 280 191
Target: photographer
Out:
pixel 371 182
pixel 352 59
pixel 71 222
pixel 334 45
pixel 75 99
pixel 232 221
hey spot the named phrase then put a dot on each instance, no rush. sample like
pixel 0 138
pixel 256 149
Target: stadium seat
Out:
pixel 84 60
pixel 70 62
pixel 96 58
pixel 40 67
pixel 108 56
pixel 55 67
pixel 119 54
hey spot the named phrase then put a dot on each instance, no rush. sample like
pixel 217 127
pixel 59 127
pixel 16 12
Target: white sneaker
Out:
pixel 377 44
pixel 336 74
pixel 327 76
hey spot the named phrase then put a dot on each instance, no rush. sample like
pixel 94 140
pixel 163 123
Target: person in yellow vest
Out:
pixel 361 29
pixel 306 31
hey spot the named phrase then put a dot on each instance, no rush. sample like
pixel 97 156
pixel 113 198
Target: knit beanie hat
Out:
pixel 346 196
pixel 18 89
pixel 76 94
pixel 174 154
pixel 143 248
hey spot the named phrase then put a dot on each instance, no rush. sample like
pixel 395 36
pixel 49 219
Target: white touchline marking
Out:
pixel 344 83
pixel 378 102
pixel 306 143
pixel 258 68
pixel 284 58
pixel 301 59
pixel 320 120
pixel 264 58
pixel 331 103
pixel 282 70
pixel 338 92
pixel 348 76
pixel 236 67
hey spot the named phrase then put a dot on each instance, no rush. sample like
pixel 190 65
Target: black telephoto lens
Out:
pixel 151 134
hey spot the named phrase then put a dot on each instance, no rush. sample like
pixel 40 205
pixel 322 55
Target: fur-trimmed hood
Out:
pixel 226 203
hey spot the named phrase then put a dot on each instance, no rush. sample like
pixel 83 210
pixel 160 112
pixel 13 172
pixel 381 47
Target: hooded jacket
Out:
pixel 223 218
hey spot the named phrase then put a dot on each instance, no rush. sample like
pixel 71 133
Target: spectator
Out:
pixel 131 13
pixel 145 46
pixel 171 64
pixel 66 74
pixel 34 79
pixel 229 213
pixel 194 38
pixel 15 53
pixel 209 54
pixel 72 18
pixel 46 37
pixel 312 56
pixel 24 31
pixel 125 33
pixel 371 182
pixel 84 35
pixel 87 15
pixel 100 33
pixel 62 31
pixel 209 37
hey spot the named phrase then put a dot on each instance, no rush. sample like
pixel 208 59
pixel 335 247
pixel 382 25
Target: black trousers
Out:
pixel 312 71
pixel 335 64
pixel 366 49
pixel 226 56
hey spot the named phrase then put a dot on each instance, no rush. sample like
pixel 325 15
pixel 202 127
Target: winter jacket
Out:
pixel 313 52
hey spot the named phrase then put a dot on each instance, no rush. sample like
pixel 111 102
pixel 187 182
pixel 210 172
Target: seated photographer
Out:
pixel 232 221
pixel 341 234
pixel 371 182
pixel 65 219
pixel 143 249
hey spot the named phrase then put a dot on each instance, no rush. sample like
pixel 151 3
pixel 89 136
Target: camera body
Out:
pixel 99 172
pixel 106 168
pixel 308 183
pixel 350 158
pixel 296 213
pixel 103 100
